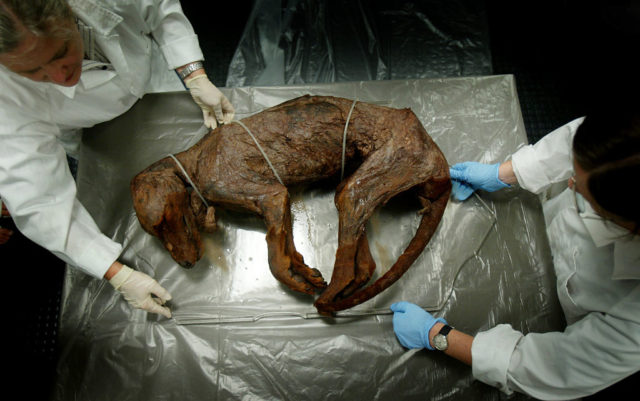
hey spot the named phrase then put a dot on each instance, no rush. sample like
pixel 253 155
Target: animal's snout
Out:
pixel 186 253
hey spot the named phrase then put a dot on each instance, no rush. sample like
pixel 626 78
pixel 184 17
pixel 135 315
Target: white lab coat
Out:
pixel 144 41
pixel 598 285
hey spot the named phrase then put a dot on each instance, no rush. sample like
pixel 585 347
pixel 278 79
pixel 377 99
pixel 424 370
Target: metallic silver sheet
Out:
pixel 239 334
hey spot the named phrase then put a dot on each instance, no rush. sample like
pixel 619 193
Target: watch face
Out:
pixel 440 342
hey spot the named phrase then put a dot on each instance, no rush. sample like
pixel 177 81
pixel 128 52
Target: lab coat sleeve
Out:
pixel 548 161
pixel 173 32
pixel 589 355
pixel 40 193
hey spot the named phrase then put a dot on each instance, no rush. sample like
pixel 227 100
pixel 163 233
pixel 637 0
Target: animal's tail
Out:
pixel 430 219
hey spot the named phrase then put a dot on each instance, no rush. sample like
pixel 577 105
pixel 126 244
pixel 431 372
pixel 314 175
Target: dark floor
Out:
pixel 561 53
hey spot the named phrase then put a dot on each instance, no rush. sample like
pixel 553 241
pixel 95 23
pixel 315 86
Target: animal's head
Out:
pixel 164 209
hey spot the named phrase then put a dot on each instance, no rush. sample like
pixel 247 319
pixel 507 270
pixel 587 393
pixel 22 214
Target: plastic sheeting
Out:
pixel 239 334
pixel 311 41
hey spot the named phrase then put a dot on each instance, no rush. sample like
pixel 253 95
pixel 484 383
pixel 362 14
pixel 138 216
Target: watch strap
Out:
pixel 445 330
pixel 440 340
pixel 191 67
pixel 426 334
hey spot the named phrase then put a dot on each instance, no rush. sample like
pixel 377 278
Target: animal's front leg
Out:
pixel 286 264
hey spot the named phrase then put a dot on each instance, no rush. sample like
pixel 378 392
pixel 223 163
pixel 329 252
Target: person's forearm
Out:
pixel 506 173
pixel 113 269
pixel 459 343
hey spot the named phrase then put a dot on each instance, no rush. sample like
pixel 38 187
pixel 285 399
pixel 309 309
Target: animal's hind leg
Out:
pixel 286 264
pixel 434 196
pixel 384 174
pixel 364 268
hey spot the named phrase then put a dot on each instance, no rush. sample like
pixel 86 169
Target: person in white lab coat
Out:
pixel 68 65
pixel 593 228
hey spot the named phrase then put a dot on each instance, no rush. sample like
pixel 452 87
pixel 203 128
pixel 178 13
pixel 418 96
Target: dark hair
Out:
pixel 607 146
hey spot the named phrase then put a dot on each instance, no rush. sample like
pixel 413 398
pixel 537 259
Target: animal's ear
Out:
pixel 209 224
pixel 205 215
pixel 151 191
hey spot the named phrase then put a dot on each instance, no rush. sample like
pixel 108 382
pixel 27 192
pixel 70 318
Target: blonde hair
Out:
pixel 39 17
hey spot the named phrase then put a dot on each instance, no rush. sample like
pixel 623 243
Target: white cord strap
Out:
pixel 189 179
pixel 259 148
pixel 344 137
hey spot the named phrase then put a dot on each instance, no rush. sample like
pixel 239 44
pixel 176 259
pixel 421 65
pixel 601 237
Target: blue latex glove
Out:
pixel 460 191
pixel 468 177
pixel 411 324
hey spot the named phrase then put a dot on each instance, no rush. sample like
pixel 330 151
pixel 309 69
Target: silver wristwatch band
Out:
pixel 191 67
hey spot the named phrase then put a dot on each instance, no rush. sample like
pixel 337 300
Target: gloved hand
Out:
pixel 468 177
pixel 216 108
pixel 137 288
pixel 411 324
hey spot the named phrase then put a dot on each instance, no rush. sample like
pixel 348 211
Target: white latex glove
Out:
pixel 216 108
pixel 137 288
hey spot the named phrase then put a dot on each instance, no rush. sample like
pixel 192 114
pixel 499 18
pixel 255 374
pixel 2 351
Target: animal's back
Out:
pixel 302 138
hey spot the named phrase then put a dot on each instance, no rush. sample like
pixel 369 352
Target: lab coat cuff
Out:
pixel 491 353
pixel 530 179
pixel 182 51
pixel 99 256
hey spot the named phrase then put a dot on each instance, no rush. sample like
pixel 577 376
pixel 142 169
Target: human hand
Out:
pixel 5 235
pixel 216 108
pixel 137 288
pixel 411 324
pixel 468 177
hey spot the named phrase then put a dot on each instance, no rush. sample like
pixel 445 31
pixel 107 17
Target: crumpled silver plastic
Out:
pixel 236 333
pixel 310 41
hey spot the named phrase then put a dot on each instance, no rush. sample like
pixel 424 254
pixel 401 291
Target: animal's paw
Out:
pixel 310 275
pixel 299 277
pixel 426 205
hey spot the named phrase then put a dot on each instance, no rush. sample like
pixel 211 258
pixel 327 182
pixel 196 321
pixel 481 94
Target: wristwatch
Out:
pixel 440 340
pixel 191 67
